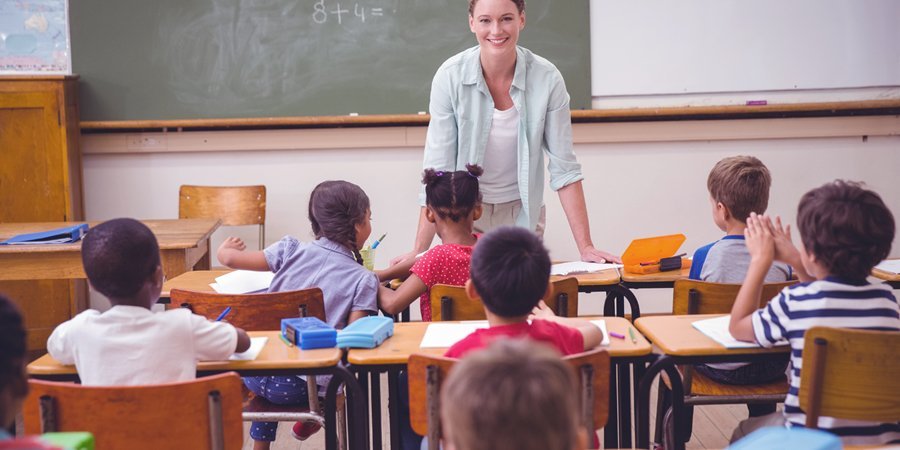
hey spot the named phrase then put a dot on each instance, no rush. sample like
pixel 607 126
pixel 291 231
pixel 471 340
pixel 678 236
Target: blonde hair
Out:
pixel 741 183
pixel 517 394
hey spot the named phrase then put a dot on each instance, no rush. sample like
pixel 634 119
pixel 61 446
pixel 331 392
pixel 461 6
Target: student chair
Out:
pixel 233 205
pixel 850 374
pixel 700 297
pixel 263 312
pixel 452 302
pixel 201 414
pixel 427 373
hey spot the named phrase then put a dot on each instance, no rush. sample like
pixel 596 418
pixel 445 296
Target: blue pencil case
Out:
pixel 368 332
pixel 780 438
pixel 308 333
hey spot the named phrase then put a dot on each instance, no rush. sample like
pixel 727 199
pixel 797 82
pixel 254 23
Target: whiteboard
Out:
pixel 665 47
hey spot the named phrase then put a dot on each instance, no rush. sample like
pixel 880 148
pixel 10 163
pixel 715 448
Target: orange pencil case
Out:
pixel 649 255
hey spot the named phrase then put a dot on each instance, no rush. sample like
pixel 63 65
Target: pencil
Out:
pixel 633 337
pixel 224 313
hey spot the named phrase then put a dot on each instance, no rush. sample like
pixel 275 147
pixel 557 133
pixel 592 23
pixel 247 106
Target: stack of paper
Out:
pixel 889 265
pixel 243 282
pixel 442 335
pixel 576 267
pixel 717 330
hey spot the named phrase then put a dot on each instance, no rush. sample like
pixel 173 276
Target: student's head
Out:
pixel 510 271
pixel 516 395
pixel 453 196
pixel 13 380
pixel 339 211
pixel 738 185
pixel 845 228
pixel 121 260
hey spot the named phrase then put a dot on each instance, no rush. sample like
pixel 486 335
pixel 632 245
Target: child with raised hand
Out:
pixel 453 204
pixel 341 221
pixel 845 230
pixel 128 344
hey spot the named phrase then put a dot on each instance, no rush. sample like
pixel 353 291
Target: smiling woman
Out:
pixel 500 106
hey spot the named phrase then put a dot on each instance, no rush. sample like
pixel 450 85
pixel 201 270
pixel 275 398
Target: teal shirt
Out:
pixel 461 112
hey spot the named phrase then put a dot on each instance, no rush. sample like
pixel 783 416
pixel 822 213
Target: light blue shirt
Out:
pixel 462 109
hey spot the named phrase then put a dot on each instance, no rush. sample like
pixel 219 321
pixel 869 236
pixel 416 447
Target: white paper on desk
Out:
pixel 442 335
pixel 574 267
pixel 601 324
pixel 889 265
pixel 256 346
pixel 717 330
pixel 242 282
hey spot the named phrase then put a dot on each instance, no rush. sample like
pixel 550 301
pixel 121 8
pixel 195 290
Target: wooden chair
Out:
pixel 700 297
pixel 233 205
pixel 452 302
pixel 199 414
pixel 262 312
pixel 850 374
pixel 427 373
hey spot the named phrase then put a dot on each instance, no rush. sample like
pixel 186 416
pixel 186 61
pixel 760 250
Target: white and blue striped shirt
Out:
pixel 830 303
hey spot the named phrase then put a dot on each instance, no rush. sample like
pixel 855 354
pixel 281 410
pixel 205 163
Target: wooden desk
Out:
pixel 276 358
pixel 658 279
pixel 681 343
pixel 183 244
pixel 891 278
pixel 593 282
pixel 392 355
pixel 196 280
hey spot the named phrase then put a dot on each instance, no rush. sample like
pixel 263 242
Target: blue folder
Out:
pixel 58 236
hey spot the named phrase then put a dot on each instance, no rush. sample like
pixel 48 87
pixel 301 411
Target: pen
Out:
pixel 224 313
pixel 378 241
pixel 616 335
pixel 285 340
pixel 631 333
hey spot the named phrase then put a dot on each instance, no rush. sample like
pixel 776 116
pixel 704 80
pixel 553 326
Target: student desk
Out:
pixel 276 358
pixel 196 280
pixel 681 343
pixel 893 279
pixel 183 245
pixel 392 355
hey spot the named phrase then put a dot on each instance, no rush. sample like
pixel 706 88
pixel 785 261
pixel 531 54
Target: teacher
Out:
pixel 502 107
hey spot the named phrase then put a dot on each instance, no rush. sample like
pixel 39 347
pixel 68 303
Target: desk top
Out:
pixel 275 355
pixel 675 336
pixel 886 276
pixel 602 278
pixel 408 335
pixel 658 277
pixel 171 234
pixel 196 280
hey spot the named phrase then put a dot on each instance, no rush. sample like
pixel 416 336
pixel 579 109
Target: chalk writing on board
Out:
pixel 34 37
pixel 336 12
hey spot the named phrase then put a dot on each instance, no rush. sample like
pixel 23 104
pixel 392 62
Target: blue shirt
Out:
pixel 462 109
pixel 346 285
pixel 830 303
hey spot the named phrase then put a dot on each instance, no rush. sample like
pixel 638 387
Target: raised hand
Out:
pixel 759 239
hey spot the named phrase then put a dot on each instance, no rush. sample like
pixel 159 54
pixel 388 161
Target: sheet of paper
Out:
pixel 441 335
pixel 256 346
pixel 243 281
pixel 601 324
pixel 717 330
pixel 575 267
pixel 889 265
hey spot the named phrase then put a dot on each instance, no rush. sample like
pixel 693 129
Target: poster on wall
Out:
pixel 34 37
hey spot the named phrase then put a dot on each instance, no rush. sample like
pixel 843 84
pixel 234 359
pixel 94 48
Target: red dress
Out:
pixel 443 264
pixel 565 339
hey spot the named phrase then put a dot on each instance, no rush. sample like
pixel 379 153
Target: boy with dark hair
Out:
pixel 510 274
pixel 846 230
pixel 129 344
pixel 490 398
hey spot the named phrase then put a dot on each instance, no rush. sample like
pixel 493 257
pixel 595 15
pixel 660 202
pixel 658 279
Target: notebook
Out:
pixel 717 330
pixel 576 267
pixel 243 282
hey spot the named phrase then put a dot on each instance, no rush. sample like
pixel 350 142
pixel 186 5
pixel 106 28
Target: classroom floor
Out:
pixel 712 427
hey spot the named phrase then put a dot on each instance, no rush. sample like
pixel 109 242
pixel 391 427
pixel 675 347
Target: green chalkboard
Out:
pixel 200 59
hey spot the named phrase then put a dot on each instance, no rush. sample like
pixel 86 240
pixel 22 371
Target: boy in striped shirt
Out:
pixel 845 231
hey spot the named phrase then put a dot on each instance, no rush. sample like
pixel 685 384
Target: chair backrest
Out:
pixel 199 414
pixel 452 302
pixel 253 312
pixel 427 373
pixel 850 374
pixel 233 205
pixel 563 297
pixel 701 297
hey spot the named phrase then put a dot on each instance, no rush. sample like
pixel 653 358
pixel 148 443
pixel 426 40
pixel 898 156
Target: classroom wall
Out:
pixel 642 178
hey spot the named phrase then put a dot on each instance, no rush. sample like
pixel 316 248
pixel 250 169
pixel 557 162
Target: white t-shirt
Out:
pixel 500 181
pixel 131 345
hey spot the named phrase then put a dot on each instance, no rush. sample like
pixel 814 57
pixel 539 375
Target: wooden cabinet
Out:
pixel 40 181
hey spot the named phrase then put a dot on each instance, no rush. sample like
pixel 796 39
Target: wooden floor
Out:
pixel 712 427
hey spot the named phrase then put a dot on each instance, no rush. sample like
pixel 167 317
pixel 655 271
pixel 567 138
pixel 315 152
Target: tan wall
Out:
pixel 642 179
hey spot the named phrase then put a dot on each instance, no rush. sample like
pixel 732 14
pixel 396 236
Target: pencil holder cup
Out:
pixel 368 256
